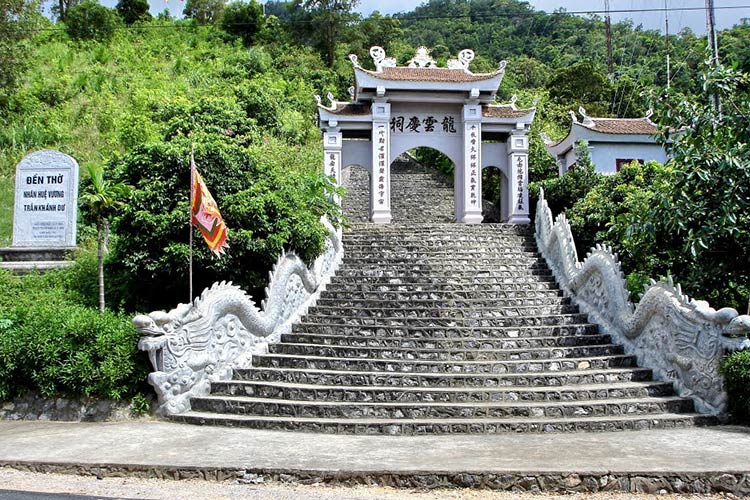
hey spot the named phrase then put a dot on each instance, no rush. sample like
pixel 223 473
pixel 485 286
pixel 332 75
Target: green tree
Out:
pixel 702 221
pixel 62 7
pixel 582 84
pixel 16 16
pixel 101 201
pixel 563 192
pixel 205 11
pixel 328 21
pixel 243 19
pixel 89 20
pixel 605 214
pixel 378 30
pixel 132 11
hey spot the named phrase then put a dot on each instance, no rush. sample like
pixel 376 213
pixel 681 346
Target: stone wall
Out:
pixel 34 407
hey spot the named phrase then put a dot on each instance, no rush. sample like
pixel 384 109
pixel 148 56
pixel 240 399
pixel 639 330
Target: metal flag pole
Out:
pixel 190 219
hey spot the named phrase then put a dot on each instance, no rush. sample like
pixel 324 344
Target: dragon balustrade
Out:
pixel 202 342
pixel 679 339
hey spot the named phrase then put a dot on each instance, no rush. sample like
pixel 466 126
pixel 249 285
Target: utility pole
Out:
pixel 608 31
pixel 713 46
pixel 666 42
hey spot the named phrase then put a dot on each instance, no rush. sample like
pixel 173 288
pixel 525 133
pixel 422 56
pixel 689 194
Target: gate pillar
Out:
pixel 468 189
pixel 332 143
pixel 380 180
pixel 518 183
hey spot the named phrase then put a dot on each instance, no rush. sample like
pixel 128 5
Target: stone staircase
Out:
pixel 442 328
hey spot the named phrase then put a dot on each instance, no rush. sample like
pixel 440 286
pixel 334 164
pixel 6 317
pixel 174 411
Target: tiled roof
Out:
pixel 430 75
pixel 350 109
pixel 504 112
pixel 621 125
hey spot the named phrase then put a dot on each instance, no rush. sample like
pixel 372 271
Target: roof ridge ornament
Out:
pixel 381 61
pixel 464 59
pixel 422 59
pixel 355 60
pixel 587 121
pixel 319 100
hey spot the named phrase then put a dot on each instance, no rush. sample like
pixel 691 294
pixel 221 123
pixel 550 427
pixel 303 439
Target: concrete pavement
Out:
pixel 680 460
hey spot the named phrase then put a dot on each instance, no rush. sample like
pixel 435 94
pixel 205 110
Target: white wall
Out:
pixel 495 154
pixel 605 154
pixel 357 152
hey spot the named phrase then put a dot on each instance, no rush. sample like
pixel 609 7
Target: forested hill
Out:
pixel 122 91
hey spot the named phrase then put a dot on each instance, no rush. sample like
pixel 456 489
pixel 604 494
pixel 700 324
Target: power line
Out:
pixel 409 18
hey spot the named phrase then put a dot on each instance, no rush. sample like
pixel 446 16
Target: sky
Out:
pixel 728 12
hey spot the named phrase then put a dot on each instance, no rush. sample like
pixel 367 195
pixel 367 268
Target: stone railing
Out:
pixel 196 344
pixel 681 340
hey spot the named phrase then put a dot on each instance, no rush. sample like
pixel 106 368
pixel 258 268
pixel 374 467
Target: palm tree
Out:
pixel 102 199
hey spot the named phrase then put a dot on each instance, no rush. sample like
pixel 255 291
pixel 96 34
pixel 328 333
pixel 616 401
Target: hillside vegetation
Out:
pixel 134 98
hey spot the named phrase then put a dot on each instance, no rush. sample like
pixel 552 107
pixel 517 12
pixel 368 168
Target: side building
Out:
pixel 612 142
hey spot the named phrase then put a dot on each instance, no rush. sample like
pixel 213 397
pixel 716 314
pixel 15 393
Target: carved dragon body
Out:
pixel 681 340
pixel 199 343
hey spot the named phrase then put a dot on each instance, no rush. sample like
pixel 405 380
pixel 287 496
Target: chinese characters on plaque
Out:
pixel 424 124
pixel 473 165
pixel 332 165
pixel 381 162
pixel 519 179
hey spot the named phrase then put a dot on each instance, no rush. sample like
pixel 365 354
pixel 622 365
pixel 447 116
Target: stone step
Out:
pixel 455 273
pixel 391 321
pixel 411 311
pixel 437 240
pixel 461 282
pixel 391 255
pixel 449 267
pixel 330 393
pixel 245 405
pixel 458 380
pixel 405 228
pixel 379 302
pixel 395 285
pixel 445 343
pixel 31 266
pixel 430 354
pixel 418 366
pixel 501 297
pixel 447 332
pixel 452 426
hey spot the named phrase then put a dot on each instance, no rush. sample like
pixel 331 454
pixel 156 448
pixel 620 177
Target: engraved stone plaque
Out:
pixel 46 200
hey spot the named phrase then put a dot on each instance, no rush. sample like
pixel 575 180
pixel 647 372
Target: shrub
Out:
pixel 90 21
pixel 563 192
pixel 271 198
pixel 51 344
pixel 606 212
pixel 736 370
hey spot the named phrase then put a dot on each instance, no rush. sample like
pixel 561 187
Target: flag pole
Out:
pixel 190 220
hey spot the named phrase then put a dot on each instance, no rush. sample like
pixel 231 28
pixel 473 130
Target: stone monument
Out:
pixel 45 211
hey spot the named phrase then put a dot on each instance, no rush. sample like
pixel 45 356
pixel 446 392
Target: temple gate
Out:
pixel 395 109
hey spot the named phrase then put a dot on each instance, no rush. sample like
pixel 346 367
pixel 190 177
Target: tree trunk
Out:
pixel 100 230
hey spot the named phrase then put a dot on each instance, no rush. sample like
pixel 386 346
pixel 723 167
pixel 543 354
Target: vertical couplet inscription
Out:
pixel 381 163
pixel 473 165
pixel 520 177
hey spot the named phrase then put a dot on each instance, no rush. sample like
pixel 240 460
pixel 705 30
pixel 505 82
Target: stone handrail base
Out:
pixel 679 339
pixel 202 342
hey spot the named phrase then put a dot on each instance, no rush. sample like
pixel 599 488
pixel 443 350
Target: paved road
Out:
pixel 30 495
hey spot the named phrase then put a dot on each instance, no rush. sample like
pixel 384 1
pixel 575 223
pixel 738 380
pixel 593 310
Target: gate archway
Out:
pixel 395 109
